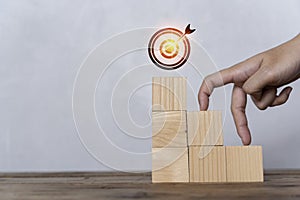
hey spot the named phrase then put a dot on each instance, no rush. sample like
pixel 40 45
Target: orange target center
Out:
pixel 169 48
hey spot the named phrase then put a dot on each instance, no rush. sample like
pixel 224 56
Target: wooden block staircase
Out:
pixel 188 146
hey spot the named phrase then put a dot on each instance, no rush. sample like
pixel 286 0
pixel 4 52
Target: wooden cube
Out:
pixel 244 164
pixel 207 164
pixel 170 165
pixel 168 93
pixel 169 129
pixel 205 128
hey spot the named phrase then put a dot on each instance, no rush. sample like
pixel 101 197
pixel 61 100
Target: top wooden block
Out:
pixel 205 128
pixel 168 93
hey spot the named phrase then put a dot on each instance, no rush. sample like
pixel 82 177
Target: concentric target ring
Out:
pixel 174 55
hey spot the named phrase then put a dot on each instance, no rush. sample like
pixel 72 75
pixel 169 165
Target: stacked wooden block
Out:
pixel 188 146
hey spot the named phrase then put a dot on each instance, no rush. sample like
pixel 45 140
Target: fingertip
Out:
pixel 246 141
pixel 245 136
pixel 201 108
pixel 203 105
pixel 203 101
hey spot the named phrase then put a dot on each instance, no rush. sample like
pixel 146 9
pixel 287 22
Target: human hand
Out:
pixel 260 77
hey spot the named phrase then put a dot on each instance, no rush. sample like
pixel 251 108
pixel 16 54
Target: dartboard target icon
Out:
pixel 169 48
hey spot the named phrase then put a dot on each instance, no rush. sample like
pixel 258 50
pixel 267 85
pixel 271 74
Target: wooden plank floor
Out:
pixel 90 186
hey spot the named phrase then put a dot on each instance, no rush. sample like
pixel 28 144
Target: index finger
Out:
pixel 237 74
pixel 210 82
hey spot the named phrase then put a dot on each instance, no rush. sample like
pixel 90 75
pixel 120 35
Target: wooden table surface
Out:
pixel 84 186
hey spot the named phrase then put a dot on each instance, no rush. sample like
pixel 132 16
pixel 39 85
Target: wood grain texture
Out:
pixel 168 93
pixel 209 165
pixel 205 128
pixel 170 165
pixel 169 129
pixel 279 184
pixel 244 164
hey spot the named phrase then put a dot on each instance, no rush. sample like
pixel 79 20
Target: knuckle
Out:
pixel 207 79
pixel 247 89
pixel 261 106
pixel 269 74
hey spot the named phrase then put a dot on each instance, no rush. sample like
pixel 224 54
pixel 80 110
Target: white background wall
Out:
pixel 42 44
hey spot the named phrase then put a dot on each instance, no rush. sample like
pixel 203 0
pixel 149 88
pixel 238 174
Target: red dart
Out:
pixel 188 30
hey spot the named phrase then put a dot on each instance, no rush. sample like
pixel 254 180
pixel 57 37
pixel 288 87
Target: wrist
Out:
pixel 296 51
